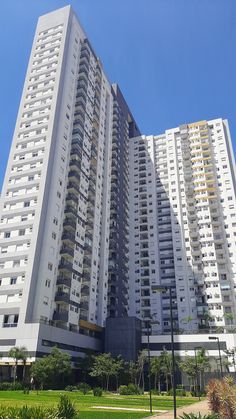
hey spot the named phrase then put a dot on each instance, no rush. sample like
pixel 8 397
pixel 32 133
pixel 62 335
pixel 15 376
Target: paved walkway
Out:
pixel 199 407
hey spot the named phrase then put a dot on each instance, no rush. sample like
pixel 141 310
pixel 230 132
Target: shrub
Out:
pixel 222 395
pixel 97 391
pixel 179 392
pixel 66 409
pixel 123 390
pixel 133 389
pixel 129 390
pixel 156 392
pixel 84 387
pixel 71 388
pixel 11 386
pixel 27 413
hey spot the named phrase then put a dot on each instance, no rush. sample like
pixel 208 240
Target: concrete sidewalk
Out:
pixel 199 407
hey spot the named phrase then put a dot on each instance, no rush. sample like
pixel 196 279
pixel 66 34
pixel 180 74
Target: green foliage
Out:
pixel 18 354
pixel 71 388
pixel 199 416
pixel 104 367
pixel 28 413
pixel 129 390
pixel 179 392
pixel 84 388
pixel 97 391
pixel 66 409
pixel 10 386
pixel 52 370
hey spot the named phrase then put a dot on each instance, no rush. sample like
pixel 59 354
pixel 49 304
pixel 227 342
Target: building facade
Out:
pixel 123 128
pixel 183 227
pixel 55 202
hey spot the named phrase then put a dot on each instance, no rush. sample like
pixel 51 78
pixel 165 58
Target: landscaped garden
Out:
pixel 101 387
pixel 90 406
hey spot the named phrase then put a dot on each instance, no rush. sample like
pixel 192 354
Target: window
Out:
pixel 13 281
pixel 26 203
pixel 7 234
pixel 50 266
pixel 21 232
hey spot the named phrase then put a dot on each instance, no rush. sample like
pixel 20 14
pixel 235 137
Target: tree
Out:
pixel 133 372
pixel 142 358
pixel 103 367
pixel 18 354
pixel 156 371
pixel 118 366
pixel 189 367
pixel 166 366
pixel 39 373
pixel 85 364
pixel 203 364
pixel 52 369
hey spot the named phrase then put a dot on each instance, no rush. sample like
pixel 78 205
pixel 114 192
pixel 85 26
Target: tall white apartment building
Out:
pixel 54 226
pixel 183 227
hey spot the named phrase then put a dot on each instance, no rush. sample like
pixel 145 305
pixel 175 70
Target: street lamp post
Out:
pixel 218 343
pixel 164 289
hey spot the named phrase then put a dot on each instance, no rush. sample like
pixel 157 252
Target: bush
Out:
pixel 179 392
pixel 11 386
pixel 66 409
pixel 84 388
pixel 156 392
pixel 129 390
pixel 222 397
pixel 71 388
pixel 97 391
pixel 123 390
pixel 27 413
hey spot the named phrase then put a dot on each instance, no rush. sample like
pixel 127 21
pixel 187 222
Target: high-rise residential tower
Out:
pixel 55 202
pixel 123 128
pixel 183 226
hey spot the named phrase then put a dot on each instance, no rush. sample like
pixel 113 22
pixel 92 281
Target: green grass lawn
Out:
pixel 85 404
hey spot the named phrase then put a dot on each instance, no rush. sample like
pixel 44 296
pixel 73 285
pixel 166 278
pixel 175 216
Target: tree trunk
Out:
pixel 159 385
pixel 167 386
pixel 14 372
pixel 108 381
pixel 155 381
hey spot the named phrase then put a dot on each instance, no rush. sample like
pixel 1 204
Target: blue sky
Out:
pixel 174 60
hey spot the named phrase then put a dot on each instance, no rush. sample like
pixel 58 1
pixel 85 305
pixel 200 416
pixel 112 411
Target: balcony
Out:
pixel 67 250
pixel 61 315
pixel 64 280
pixel 65 264
pixel 63 297
pixel 69 222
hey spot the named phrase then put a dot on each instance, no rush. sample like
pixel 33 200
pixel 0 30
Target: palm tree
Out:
pixel 142 358
pixel 189 366
pixel 166 366
pixel 18 354
pixel 156 371
pixel 133 372
pixel 203 364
